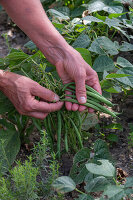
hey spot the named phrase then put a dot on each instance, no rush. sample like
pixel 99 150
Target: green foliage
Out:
pixel 130 137
pixel 98 178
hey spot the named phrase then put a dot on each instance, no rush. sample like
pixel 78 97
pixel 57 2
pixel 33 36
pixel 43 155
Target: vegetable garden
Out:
pixel 102 32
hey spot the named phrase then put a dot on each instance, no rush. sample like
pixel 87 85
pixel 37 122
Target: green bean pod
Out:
pixel 78 133
pixel 59 134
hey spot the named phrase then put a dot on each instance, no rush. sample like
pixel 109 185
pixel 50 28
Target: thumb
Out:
pixel 44 93
pixel 81 91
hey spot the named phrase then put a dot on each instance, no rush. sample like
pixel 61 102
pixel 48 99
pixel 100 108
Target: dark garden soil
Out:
pixel 121 153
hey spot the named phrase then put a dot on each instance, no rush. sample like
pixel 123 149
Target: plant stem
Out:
pixel 79 191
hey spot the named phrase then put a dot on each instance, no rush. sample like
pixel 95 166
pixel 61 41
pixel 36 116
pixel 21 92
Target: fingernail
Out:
pixel 82 100
pixel 56 98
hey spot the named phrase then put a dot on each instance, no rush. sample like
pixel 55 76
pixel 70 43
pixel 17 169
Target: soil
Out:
pixel 121 153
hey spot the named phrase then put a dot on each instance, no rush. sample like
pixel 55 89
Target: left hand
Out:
pixel 74 68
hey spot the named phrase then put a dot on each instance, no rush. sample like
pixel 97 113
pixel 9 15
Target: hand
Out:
pixel 22 92
pixel 74 68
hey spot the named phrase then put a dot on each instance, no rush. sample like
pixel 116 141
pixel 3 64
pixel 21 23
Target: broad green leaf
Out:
pixel 64 184
pixel 126 47
pixel 115 15
pixel 123 62
pixel 113 190
pixel 85 197
pixel 5 104
pixel 112 137
pixel 58 15
pixel 90 121
pixel 78 171
pixel 64 10
pixel 101 150
pixel 103 45
pixel 9 147
pixel 85 54
pixel 113 75
pixel 89 19
pixel 97 184
pixel 109 6
pixel 77 11
pixel 126 80
pixel 105 169
pixel 17 56
pixel 111 90
pixel 103 63
pixel 114 126
pixel 30 45
pixel 129 182
pixel 113 22
pixel 82 41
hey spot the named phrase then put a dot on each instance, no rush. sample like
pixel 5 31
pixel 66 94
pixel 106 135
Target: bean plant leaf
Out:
pixel 5 104
pixel 113 191
pixel 89 19
pixel 64 184
pixel 113 22
pixel 103 45
pixel 78 171
pixel 85 197
pixel 105 169
pixel 126 80
pixel 14 56
pixel 129 182
pixel 109 6
pixel 123 62
pixel 30 45
pixel 113 75
pixel 103 63
pixel 82 41
pixel 77 11
pixel 126 47
pixel 97 184
pixel 85 54
pixel 101 150
pixel 9 147
pixel 58 15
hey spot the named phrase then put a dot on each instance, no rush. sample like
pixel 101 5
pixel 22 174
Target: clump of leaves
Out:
pixel 97 174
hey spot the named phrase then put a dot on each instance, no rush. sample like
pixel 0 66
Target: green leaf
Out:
pixel 126 47
pixel 5 104
pixel 114 126
pixel 17 56
pixel 9 147
pixel 85 54
pixel 30 45
pixel 82 41
pixel 112 137
pixel 126 80
pixel 77 11
pixel 64 184
pixel 109 6
pixel 97 184
pixel 113 190
pixel 113 75
pixel 123 62
pixel 78 171
pixel 89 19
pixel 85 197
pixel 113 22
pixel 105 169
pixel 58 15
pixel 101 150
pixel 102 63
pixel 129 182
pixel 103 45
pixel 111 90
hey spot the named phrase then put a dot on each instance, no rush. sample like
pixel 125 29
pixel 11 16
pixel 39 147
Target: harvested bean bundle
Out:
pixel 93 99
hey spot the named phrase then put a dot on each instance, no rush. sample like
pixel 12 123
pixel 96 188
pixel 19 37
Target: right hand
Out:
pixel 22 92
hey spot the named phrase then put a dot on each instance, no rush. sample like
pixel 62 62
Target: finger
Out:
pixel 82 108
pixel 75 107
pixel 81 91
pixel 38 115
pixel 44 93
pixel 41 106
pixel 68 104
pixel 90 110
pixel 93 80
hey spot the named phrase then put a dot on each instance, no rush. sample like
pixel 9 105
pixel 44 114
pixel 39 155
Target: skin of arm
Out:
pixel 30 16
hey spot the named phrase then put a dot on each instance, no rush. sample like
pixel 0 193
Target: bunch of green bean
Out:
pixel 93 99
